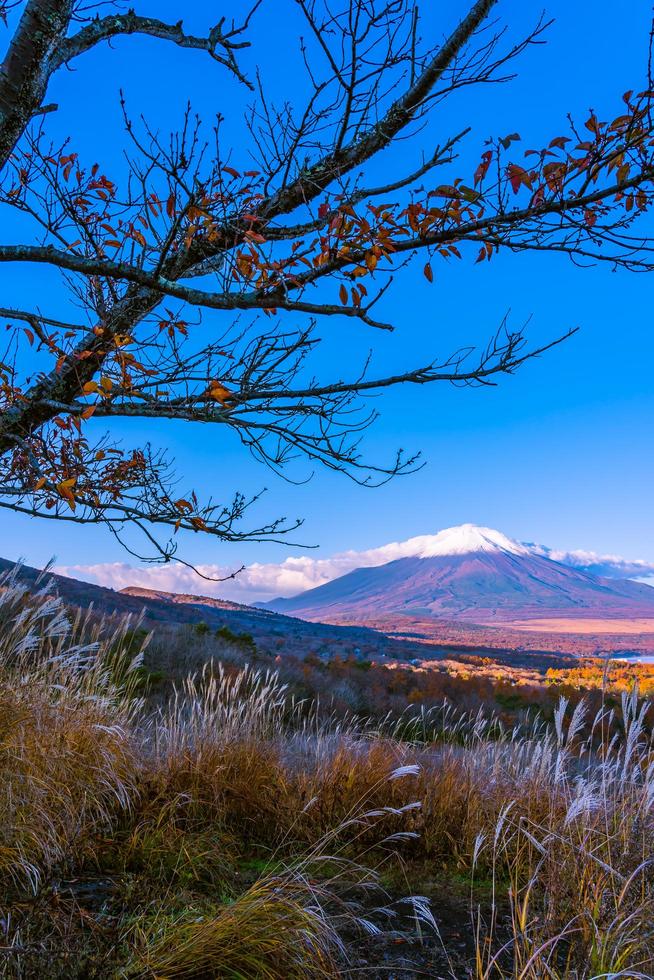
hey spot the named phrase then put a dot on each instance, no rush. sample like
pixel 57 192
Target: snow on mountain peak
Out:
pixel 467 539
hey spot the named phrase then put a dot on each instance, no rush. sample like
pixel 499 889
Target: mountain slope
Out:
pixel 168 607
pixel 273 633
pixel 474 574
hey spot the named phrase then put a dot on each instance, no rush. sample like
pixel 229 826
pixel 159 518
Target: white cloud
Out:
pixel 257 582
pixel 263 581
pixel 609 566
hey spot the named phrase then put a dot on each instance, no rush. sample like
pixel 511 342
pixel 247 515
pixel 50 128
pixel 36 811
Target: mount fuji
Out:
pixel 474 574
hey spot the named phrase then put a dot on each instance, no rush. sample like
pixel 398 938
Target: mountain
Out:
pixel 474 574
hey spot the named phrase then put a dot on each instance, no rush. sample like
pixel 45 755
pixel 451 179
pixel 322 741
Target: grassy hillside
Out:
pixel 230 830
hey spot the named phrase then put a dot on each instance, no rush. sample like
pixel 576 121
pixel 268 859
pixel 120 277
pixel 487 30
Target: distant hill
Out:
pixel 476 575
pixel 273 632
pixel 188 599
pixel 158 606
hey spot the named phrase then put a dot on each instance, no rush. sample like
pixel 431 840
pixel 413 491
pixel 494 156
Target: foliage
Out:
pixel 243 640
pixel 613 676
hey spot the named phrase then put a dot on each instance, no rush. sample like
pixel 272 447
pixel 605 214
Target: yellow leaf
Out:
pixel 219 393
pixel 64 490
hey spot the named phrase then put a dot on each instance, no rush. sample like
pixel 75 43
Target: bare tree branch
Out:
pixel 222 45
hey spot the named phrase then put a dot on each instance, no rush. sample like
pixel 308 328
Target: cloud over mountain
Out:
pixel 262 581
pixel 609 566
pixel 258 581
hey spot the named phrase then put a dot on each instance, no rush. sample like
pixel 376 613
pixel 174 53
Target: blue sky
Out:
pixel 560 454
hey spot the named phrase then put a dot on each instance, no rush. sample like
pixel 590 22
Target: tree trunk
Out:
pixel 26 68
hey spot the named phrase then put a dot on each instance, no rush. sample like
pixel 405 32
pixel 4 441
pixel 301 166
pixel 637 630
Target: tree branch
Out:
pixel 89 266
pixel 221 46
pixel 399 115
pixel 504 355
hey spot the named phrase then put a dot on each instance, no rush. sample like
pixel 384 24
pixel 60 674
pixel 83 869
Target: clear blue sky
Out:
pixel 560 454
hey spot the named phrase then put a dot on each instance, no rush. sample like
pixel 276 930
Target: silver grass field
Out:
pixel 153 808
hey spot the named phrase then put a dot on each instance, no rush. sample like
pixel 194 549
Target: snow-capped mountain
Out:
pixel 464 540
pixel 476 574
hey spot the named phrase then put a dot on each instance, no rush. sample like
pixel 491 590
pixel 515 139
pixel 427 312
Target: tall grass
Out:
pixel 551 827
pixel 67 747
pixel 559 818
pixel 576 848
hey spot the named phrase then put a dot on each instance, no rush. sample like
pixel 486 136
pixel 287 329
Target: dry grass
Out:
pixel 275 929
pixel 67 749
pixel 163 806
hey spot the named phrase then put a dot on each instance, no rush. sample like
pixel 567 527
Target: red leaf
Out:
pixel 592 123
pixel 517 177
pixel 538 197
pixel 482 169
